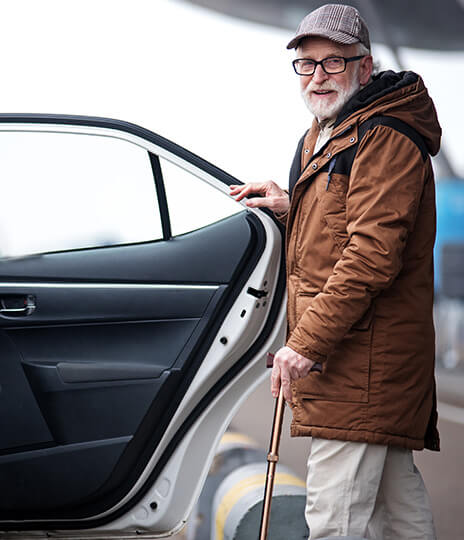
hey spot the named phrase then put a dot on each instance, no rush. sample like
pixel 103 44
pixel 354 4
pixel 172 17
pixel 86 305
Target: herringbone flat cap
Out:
pixel 337 22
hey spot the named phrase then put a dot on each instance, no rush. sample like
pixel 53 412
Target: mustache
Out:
pixel 326 85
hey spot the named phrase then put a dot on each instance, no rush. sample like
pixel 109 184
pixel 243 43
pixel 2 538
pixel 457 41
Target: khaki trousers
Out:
pixel 366 490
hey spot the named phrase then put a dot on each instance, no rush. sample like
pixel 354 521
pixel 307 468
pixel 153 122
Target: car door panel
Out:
pixel 128 358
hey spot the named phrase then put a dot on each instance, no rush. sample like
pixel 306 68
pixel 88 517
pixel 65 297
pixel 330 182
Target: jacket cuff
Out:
pixel 311 354
pixel 282 217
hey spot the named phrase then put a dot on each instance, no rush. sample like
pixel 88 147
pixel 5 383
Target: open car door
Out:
pixel 137 303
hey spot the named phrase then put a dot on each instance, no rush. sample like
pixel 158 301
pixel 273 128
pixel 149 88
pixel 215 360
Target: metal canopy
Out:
pixel 423 24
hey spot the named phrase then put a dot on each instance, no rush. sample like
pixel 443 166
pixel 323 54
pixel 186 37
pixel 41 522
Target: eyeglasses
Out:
pixel 331 65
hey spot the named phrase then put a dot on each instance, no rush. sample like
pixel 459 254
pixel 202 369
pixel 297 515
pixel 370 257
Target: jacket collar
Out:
pixel 382 84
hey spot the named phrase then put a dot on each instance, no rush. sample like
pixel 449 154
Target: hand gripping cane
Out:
pixel 273 455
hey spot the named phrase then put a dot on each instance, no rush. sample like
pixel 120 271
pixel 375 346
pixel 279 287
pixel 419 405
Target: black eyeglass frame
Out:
pixel 321 63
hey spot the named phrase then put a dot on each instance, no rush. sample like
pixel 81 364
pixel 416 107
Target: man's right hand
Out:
pixel 273 197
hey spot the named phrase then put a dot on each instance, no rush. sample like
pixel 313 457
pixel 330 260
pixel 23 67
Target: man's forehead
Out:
pixel 318 46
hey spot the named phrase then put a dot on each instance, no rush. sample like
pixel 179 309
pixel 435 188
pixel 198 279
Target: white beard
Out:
pixel 324 111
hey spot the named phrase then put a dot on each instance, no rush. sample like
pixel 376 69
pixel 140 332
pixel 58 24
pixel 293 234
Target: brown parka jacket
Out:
pixel 360 236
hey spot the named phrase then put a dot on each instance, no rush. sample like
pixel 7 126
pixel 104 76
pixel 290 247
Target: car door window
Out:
pixel 63 191
pixel 193 203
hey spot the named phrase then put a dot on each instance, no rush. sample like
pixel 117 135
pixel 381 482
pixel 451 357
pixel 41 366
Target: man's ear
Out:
pixel 365 69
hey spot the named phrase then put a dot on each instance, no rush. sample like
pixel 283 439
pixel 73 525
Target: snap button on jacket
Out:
pixel 360 236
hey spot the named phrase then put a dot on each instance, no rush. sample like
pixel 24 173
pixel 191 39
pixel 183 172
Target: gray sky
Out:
pixel 221 87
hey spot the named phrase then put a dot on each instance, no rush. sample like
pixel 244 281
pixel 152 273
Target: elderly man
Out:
pixel 360 220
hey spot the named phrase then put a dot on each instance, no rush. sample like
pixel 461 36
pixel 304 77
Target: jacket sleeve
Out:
pixel 384 192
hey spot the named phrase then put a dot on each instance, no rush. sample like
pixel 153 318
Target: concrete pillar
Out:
pixel 238 503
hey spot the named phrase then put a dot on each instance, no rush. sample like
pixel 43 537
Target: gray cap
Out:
pixel 340 23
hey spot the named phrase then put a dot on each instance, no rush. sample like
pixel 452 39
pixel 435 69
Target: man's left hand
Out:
pixel 288 366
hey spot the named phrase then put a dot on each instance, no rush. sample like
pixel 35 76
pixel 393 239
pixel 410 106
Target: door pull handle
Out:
pixel 28 308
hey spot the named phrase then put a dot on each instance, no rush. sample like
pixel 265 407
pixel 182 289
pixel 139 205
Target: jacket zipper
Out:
pixel 331 168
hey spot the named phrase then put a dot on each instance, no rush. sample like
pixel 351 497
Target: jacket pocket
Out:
pixel 345 375
pixel 332 201
pixel 303 301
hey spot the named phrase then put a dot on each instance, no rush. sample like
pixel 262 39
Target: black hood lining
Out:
pixel 384 83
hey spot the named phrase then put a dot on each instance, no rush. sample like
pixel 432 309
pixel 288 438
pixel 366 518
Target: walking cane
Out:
pixel 273 455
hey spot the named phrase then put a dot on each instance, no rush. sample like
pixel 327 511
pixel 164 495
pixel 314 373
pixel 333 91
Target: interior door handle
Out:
pixel 10 305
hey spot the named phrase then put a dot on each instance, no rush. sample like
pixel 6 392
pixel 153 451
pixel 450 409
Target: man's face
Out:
pixel 325 94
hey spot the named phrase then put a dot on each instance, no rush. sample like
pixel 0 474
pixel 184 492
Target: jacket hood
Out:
pixel 401 95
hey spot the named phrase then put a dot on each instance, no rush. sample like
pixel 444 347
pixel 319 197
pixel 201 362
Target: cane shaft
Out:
pixel 272 459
